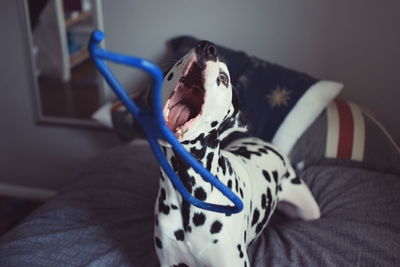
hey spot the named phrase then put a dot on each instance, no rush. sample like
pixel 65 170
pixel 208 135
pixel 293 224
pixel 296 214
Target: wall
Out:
pixel 30 154
pixel 355 42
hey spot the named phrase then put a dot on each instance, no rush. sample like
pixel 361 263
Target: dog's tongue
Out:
pixel 178 115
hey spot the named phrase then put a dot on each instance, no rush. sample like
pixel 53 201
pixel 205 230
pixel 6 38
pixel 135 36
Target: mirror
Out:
pixel 68 87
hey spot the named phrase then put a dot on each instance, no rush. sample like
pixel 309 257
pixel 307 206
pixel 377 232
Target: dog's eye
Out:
pixel 223 77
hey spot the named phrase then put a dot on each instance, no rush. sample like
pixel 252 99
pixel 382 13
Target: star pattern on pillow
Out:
pixel 279 97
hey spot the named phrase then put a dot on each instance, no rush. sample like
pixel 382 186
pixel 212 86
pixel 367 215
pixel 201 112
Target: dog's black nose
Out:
pixel 207 50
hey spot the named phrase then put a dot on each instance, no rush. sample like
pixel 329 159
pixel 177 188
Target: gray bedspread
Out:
pixel 106 219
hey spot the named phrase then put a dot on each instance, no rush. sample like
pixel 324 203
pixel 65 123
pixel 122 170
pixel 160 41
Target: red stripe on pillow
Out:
pixel 346 130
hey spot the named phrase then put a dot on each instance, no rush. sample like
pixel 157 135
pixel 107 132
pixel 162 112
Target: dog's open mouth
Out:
pixel 184 106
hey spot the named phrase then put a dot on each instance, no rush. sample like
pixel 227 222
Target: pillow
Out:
pixel 346 134
pixel 278 102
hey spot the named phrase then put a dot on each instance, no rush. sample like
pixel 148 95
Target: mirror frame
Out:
pixel 40 118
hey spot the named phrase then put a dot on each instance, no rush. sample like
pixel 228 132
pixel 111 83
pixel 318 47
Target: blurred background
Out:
pixel 49 88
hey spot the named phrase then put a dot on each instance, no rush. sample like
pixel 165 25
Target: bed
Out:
pixel 348 160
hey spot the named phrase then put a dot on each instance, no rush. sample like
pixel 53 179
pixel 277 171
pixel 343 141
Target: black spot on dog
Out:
pixel 212 139
pixel 216 227
pixel 218 81
pixel 163 194
pixel 181 167
pixel 275 176
pixel 162 176
pixel 245 236
pixel 192 181
pixel 180 265
pixel 199 193
pixel 230 184
pixel 215 241
pixel 269 195
pixel 185 211
pixel 162 208
pixel 296 180
pixel 170 76
pixel 267 213
pixel 174 163
pixel 240 251
pixel 199 219
pixel 250 143
pixel 210 158
pixel 241 192
pixel 266 175
pixel 214 123
pixel 174 207
pixel 230 169
pixel 244 152
pixel 198 153
pixel 222 164
pixel 179 235
pixel 263 150
pixel 256 216
pixel 263 201
pixel 236 185
pixel 199 138
pixel 158 242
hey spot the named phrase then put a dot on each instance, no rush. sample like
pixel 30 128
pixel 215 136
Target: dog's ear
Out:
pixel 235 102
pixel 237 107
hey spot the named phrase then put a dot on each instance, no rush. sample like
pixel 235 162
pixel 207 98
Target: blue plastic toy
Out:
pixel 153 123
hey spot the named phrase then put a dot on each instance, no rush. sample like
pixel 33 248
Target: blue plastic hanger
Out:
pixel 154 124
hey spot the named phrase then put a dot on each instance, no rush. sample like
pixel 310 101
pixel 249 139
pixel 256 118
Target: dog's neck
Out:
pixel 206 148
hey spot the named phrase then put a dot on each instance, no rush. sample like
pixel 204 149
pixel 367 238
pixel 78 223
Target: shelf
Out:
pixel 82 15
pixel 78 57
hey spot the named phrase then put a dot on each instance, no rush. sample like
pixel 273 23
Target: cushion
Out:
pixel 346 133
pixel 106 219
pixel 278 102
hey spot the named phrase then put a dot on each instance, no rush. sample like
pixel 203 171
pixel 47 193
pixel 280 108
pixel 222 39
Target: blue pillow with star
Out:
pixel 279 103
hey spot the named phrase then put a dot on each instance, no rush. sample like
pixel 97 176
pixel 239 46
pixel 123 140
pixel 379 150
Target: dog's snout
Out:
pixel 207 50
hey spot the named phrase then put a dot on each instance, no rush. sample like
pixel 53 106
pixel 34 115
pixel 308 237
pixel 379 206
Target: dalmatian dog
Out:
pixel 202 110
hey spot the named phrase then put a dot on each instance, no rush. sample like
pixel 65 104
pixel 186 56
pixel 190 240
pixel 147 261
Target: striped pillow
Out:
pixel 347 134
